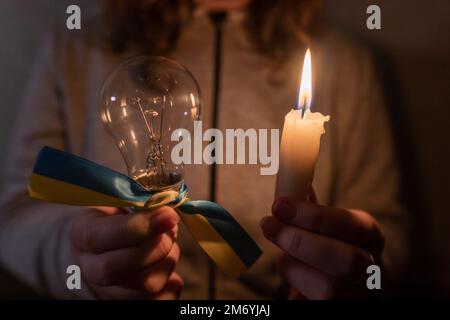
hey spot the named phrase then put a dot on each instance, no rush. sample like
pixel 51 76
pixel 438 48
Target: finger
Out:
pixel 98 233
pixel 110 211
pixel 294 294
pixel 173 233
pixel 120 293
pixel 153 278
pixel 312 197
pixel 156 276
pixel 172 290
pixel 221 5
pixel 114 267
pixel 315 284
pixel 352 226
pixel 329 255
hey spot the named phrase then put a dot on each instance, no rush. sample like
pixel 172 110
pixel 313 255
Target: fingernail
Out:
pixel 284 209
pixel 163 222
pixel 269 226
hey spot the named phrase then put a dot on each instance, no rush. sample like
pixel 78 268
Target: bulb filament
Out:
pixel 155 157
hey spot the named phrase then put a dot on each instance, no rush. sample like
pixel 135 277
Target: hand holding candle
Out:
pixel 300 141
pixel 325 250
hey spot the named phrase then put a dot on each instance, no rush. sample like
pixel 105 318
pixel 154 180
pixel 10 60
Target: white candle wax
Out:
pixel 300 144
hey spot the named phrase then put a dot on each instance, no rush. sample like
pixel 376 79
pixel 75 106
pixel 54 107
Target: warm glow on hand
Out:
pixel 223 5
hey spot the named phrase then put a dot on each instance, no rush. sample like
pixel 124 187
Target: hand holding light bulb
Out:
pixel 134 255
pixel 128 256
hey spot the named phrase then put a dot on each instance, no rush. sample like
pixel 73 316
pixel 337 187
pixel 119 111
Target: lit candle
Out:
pixel 300 141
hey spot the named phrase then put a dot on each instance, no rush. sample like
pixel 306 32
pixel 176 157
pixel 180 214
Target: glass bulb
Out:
pixel 143 101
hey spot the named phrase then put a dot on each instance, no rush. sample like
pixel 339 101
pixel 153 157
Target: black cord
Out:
pixel 218 19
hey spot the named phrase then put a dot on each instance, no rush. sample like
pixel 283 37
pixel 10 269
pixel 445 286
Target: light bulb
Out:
pixel 143 101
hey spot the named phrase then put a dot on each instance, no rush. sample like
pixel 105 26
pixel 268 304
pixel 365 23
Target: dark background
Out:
pixel 413 56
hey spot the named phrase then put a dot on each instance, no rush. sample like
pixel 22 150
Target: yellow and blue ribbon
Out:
pixel 68 179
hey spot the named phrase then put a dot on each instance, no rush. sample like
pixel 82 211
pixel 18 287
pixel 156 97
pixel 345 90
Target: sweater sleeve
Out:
pixel 368 171
pixel 34 242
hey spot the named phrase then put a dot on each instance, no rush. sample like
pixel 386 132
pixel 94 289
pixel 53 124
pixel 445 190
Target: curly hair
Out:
pixel 273 26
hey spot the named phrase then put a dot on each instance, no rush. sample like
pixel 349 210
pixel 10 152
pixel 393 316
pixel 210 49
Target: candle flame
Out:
pixel 305 90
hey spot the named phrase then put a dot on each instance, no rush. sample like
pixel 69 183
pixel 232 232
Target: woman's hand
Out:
pixel 223 5
pixel 128 256
pixel 326 250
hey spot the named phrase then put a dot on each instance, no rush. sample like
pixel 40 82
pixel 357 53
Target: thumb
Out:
pixel 163 219
pixel 311 196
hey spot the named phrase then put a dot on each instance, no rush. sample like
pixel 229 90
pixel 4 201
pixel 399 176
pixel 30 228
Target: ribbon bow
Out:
pixel 68 179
